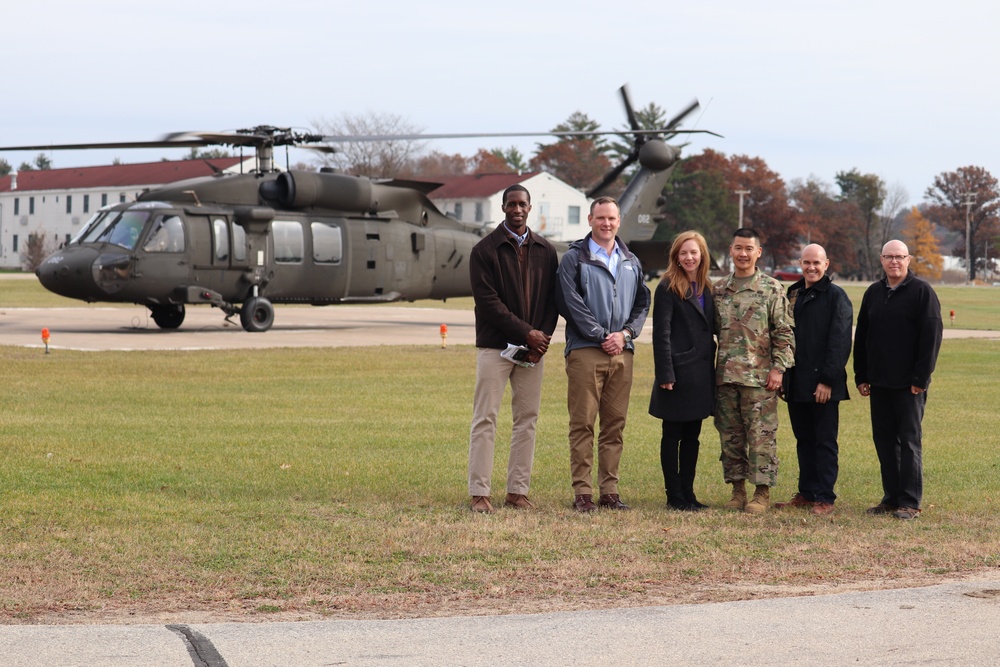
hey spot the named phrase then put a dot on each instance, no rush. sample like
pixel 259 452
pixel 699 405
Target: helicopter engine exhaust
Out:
pixel 302 189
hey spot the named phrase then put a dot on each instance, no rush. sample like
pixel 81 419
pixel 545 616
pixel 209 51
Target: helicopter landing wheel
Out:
pixel 169 316
pixel 257 314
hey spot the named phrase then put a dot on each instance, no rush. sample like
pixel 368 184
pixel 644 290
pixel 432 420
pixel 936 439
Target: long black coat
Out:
pixel 683 353
pixel 823 318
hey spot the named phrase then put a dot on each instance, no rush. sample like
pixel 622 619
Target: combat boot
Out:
pixel 761 499
pixel 739 499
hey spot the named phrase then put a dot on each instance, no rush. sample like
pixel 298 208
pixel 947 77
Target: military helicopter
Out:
pixel 243 242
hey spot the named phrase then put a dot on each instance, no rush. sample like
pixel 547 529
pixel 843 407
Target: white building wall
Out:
pixel 550 216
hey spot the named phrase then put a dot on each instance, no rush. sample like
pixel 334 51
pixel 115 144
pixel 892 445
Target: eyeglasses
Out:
pixel 894 258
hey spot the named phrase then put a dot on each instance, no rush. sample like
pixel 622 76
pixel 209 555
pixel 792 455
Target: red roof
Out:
pixel 116 175
pixel 478 186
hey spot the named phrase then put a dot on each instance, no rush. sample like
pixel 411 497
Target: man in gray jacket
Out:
pixel 604 300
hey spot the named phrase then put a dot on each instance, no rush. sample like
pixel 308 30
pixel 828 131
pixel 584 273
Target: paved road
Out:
pixel 950 624
pixel 130 328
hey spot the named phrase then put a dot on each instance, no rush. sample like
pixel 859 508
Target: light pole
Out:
pixel 970 199
pixel 741 193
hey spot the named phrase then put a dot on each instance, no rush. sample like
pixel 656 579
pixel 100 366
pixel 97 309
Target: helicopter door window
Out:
pixel 288 242
pixel 327 243
pixel 221 232
pixel 167 235
pixel 239 244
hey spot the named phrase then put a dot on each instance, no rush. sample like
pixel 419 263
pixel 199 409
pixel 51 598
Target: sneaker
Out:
pixel 481 504
pixel 798 501
pixel 881 508
pixel 821 508
pixel 906 513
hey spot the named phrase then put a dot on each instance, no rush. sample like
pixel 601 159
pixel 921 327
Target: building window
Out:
pixel 69 203
pixel 121 198
pixel 479 211
pixel 31 205
pixel 17 206
pixel 104 199
pixel 86 203
pixel 458 211
pixel 573 217
pixel 15 242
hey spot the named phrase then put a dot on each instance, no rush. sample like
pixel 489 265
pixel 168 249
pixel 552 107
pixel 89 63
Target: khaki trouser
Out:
pixel 599 385
pixel 492 374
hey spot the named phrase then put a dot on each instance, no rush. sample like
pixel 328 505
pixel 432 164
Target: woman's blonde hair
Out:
pixel 677 277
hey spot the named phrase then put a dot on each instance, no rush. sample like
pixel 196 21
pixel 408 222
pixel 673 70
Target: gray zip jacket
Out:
pixel 593 302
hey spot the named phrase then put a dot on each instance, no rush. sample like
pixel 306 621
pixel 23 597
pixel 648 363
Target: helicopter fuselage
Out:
pixel 175 246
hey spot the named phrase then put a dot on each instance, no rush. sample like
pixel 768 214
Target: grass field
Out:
pixel 311 483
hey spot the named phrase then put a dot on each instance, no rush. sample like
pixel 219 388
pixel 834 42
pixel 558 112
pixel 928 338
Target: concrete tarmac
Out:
pixel 102 328
pixel 948 624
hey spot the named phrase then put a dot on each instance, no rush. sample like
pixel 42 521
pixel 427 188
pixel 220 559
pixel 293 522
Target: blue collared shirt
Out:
pixel 611 261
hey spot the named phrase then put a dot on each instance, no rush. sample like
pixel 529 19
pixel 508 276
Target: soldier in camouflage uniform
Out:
pixel 756 344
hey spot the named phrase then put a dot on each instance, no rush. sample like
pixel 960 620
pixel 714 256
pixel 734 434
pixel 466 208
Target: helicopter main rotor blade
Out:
pixel 347 138
pixel 613 174
pixel 629 112
pixel 115 144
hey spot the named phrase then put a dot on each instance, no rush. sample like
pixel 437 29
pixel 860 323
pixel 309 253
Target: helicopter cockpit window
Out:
pixel 327 244
pixel 221 232
pixel 288 242
pixel 98 221
pixel 125 230
pixel 167 235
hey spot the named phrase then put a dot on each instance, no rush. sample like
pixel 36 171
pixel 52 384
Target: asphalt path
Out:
pixel 948 624
pixel 96 328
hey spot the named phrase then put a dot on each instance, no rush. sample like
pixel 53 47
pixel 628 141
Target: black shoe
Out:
pixel 681 506
pixel 693 502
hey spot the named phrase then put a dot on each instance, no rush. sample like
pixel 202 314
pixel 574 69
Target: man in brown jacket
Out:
pixel 513 272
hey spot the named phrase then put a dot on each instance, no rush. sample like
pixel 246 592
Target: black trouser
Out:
pixel 815 426
pixel 679 458
pixel 896 430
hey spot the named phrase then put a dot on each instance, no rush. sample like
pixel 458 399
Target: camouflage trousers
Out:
pixel 747 421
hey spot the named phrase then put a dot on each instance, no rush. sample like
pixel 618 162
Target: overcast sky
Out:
pixel 905 90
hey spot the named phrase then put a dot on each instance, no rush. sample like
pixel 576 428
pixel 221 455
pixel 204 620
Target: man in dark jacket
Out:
pixel 896 346
pixel 817 383
pixel 513 272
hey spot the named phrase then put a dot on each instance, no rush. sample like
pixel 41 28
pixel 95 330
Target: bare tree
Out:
pixel 375 159
pixel 896 199
pixel 35 251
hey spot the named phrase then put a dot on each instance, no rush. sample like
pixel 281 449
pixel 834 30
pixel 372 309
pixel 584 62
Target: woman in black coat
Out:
pixel 684 355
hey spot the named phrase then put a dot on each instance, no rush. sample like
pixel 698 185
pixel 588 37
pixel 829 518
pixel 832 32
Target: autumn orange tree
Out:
pixel 948 196
pixel 924 248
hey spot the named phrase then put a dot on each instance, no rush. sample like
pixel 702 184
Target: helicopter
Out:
pixel 244 242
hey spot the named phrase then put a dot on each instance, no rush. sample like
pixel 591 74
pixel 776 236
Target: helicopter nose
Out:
pixel 68 273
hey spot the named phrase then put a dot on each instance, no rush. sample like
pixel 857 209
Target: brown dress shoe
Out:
pixel 821 509
pixel 481 504
pixel 518 501
pixel 584 503
pixel 798 501
pixel 611 501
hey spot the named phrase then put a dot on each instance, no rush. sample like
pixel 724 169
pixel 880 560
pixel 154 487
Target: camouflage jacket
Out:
pixel 754 326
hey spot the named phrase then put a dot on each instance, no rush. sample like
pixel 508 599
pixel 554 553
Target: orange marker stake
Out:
pixel 444 336
pixel 45 338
